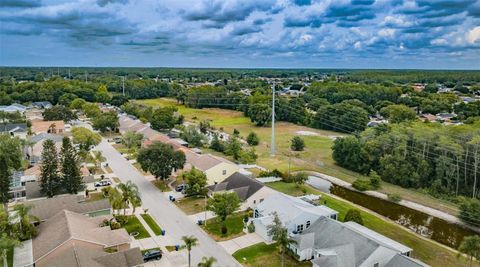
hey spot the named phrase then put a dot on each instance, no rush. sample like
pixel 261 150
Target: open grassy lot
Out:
pixel 265 255
pixel 191 205
pixel 152 224
pixel 234 224
pixel 316 157
pixel 134 225
pixel 425 250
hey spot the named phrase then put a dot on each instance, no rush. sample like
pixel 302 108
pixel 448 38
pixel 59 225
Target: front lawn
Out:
pixel 152 223
pixel 134 225
pixel 191 205
pixel 161 185
pixel 265 255
pixel 427 251
pixel 234 224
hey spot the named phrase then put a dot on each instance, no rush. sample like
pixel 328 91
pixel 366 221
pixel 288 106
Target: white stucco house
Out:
pixel 330 243
pixel 295 214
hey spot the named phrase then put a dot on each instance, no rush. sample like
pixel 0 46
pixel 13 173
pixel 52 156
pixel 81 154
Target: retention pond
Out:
pixel 447 233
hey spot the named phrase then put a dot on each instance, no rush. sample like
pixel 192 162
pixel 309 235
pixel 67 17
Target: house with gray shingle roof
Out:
pixel 330 243
pixel 249 190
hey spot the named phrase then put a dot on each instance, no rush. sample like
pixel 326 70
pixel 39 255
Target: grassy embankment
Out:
pixel 316 157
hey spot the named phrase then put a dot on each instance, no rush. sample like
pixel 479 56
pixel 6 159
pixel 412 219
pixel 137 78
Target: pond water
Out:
pixel 449 234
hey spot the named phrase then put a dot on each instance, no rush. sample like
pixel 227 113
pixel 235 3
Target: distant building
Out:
pixel 52 127
pixel 14 129
pixel 13 108
pixel 41 105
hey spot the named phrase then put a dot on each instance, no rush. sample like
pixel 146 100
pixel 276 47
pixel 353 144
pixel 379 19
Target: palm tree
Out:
pixel 6 243
pixel 280 234
pixel 207 262
pixel 283 241
pixel 96 158
pixel 190 241
pixel 136 202
pixel 129 193
pixel 115 199
pixel 471 246
pixel 24 222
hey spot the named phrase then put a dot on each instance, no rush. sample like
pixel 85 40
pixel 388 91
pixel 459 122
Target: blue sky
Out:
pixel 429 34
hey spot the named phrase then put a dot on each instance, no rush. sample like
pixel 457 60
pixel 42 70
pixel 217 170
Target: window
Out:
pixel 308 224
pixel 376 265
pixel 224 172
pixel 300 228
pixel 256 215
pixel 254 202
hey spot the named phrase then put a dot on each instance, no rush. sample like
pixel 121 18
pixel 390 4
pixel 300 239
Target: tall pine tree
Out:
pixel 10 160
pixel 49 178
pixel 71 177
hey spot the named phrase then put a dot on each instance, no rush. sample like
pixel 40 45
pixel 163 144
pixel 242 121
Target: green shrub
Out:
pixel 297 144
pixel 353 215
pixel 394 197
pixel 362 185
pixel 251 227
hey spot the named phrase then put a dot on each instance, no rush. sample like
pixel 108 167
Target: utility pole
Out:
pixel 272 152
pixel 123 85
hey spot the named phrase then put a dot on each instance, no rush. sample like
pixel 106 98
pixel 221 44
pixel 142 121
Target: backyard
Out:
pixel 425 250
pixel 234 224
pixel 317 155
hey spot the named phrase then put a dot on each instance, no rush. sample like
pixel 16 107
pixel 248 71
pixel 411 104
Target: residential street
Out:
pixel 167 215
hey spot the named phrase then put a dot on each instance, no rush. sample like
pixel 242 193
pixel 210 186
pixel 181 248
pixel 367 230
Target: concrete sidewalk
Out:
pixel 243 241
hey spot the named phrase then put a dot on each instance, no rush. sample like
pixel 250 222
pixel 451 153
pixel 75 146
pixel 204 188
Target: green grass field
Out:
pixel 317 155
pixel 425 250
pixel 234 224
pixel 152 224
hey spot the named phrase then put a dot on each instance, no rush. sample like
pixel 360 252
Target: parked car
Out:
pixel 181 187
pixel 152 255
pixel 102 183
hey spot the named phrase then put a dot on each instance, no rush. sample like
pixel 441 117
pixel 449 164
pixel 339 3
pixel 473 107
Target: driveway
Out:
pixel 167 215
pixel 240 242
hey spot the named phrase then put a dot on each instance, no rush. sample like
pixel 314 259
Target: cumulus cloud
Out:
pixel 253 29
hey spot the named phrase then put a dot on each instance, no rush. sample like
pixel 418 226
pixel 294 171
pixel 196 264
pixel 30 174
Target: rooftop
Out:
pixel 240 184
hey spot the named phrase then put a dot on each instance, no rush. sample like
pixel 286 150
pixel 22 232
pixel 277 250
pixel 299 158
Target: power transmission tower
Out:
pixel 272 152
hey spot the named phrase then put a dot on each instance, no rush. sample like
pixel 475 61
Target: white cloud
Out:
pixel 473 35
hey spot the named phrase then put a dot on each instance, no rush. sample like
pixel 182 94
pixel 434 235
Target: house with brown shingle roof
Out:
pixel 215 168
pixel 44 209
pixel 73 239
pixel 53 127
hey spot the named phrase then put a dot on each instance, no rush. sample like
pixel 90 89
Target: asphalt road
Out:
pixel 170 218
